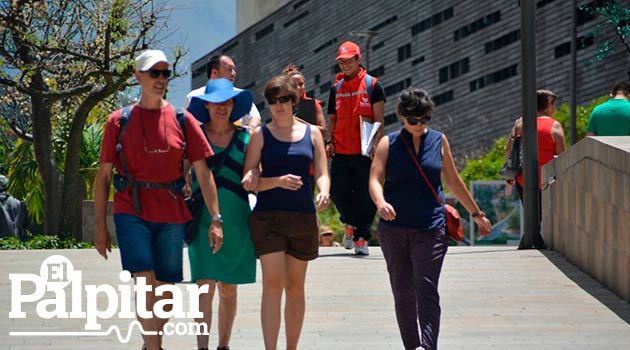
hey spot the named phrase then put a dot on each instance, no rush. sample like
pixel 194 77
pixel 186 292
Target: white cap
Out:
pixel 149 58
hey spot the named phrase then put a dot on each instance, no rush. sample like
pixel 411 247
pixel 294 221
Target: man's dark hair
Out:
pixel 214 63
pixel 622 87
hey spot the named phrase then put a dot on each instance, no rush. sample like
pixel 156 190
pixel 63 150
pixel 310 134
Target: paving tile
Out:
pixel 492 298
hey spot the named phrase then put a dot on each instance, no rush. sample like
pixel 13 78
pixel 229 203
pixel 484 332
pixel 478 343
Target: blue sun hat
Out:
pixel 218 91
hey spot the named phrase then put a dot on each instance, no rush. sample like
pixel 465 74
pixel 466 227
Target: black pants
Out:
pixel 349 190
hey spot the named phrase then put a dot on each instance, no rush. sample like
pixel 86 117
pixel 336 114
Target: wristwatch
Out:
pixel 218 218
pixel 478 214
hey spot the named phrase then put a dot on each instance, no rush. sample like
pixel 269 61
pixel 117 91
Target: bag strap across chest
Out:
pixel 126 179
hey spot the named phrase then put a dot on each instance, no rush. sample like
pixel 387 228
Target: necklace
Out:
pixel 144 139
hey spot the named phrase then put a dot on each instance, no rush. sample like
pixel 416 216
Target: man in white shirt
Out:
pixel 223 67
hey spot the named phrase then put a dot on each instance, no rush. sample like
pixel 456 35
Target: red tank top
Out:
pixel 546 145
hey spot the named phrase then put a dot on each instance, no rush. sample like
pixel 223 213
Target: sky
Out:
pixel 200 26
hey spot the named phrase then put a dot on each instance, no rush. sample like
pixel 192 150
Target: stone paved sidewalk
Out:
pixel 492 298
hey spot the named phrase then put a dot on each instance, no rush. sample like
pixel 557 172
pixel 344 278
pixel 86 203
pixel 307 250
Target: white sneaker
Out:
pixel 361 247
pixel 348 243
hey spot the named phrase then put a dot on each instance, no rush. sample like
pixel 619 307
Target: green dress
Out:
pixel 235 262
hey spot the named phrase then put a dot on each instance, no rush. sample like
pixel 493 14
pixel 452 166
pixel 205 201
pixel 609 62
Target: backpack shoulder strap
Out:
pixel 338 86
pixel 369 80
pixel 125 114
pixel 181 120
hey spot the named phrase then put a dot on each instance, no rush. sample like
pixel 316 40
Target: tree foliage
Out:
pixel 59 60
pixel 486 167
pixel 616 18
pixel 582 113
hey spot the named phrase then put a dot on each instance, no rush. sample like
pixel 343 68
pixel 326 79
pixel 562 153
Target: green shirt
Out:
pixel 611 118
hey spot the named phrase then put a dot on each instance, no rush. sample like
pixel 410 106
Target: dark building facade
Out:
pixel 466 53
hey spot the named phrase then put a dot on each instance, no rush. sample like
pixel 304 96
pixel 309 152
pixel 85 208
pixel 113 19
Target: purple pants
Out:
pixel 414 262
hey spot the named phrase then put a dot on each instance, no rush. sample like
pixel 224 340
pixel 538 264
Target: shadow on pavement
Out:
pixel 350 254
pixel 605 296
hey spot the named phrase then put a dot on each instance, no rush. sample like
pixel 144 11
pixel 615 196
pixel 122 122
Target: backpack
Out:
pixel 126 179
pixel 368 84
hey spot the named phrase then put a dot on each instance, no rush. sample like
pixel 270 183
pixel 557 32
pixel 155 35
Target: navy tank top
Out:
pixel 405 189
pixel 281 158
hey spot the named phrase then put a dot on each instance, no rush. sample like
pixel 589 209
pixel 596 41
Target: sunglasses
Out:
pixel 415 121
pixel 281 99
pixel 155 73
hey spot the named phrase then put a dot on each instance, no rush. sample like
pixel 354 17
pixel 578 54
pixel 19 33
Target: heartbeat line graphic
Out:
pixel 109 331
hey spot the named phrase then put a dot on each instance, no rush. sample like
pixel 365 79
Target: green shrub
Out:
pixel 43 242
pixel 486 167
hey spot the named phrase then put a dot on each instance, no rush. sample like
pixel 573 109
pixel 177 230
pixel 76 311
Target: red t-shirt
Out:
pixel 152 144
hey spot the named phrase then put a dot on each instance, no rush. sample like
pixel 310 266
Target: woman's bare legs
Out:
pixel 205 307
pixel 274 281
pixel 295 303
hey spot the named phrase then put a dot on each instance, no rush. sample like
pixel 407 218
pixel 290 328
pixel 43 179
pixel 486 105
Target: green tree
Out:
pixel 59 59
pixel 616 18
pixel 486 167
pixel 582 113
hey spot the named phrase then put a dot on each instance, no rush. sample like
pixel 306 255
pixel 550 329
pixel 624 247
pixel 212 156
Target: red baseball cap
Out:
pixel 348 50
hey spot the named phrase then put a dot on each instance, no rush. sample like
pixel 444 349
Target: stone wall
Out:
pixel 89 222
pixel 586 211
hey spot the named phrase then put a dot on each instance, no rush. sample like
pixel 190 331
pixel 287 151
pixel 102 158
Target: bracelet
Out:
pixel 479 214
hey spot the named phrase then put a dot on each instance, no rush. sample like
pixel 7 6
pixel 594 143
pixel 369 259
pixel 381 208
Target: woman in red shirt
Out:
pixel 550 135
pixel 550 144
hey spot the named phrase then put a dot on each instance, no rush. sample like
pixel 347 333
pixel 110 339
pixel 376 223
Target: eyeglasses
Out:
pixel 281 99
pixel 415 121
pixel 155 73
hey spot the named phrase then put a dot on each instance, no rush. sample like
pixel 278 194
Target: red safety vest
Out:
pixel 352 100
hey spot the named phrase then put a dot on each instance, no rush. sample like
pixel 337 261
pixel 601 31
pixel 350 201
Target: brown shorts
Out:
pixel 296 234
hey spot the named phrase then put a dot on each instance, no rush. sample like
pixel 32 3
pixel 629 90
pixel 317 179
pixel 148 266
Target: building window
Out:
pixel 542 3
pixel 390 20
pixel 335 69
pixel 260 106
pixel 454 70
pixel 494 78
pixel 249 86
pixel 503 41
pixel 586 14
pixel 432 21
pixel 230 46
pixel 201 70
pixel 417 61
pixel 299 3
pixel 565 48
pixel 310 93
pixel 390 119
pixel 378 71
pixel 317 79
pixel 404 52
pixel 378 45
pixel 477 25
pixel 263 32
pixel 325 88
pixel 443 97
pixel 325 45
pixel 296 18
pixel 399 86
